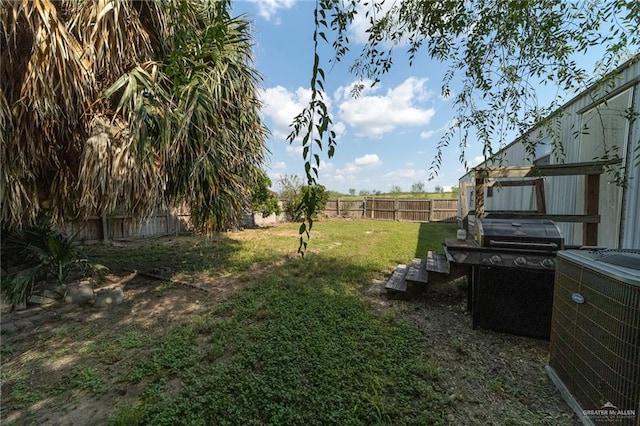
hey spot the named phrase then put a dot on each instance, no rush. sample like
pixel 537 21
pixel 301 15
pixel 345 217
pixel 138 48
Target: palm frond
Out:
pixel 121 106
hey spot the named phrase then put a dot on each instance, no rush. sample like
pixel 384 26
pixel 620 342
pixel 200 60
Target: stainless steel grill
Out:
pixel 512 266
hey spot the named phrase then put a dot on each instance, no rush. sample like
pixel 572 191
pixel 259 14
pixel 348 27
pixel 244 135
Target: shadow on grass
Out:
pixel 431 237
pixel 183 253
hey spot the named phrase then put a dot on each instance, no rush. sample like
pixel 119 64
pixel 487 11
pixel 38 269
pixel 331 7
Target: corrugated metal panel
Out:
pixel 631 202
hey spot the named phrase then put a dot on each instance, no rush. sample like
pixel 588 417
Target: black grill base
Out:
pixel 515 301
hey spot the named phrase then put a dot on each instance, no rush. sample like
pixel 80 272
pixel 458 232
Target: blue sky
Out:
pixel 386 137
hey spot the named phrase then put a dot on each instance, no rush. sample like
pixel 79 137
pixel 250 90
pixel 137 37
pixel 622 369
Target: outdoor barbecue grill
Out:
pixel 511 274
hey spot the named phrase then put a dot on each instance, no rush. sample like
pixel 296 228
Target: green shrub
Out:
pixel 38 253
pixel 296 196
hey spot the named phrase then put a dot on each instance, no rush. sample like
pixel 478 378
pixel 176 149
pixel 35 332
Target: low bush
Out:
pixel 37 253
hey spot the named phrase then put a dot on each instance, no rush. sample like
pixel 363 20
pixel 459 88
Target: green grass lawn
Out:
pixel 296 345
pixel 299 346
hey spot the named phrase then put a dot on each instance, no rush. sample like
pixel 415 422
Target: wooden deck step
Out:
pixel 437 262
pixel 397 280
pixel 417 271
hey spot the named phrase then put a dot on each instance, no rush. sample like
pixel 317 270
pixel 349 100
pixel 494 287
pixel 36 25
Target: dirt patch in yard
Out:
pixel 488 377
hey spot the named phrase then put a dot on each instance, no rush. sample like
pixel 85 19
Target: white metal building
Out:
pixel 601 122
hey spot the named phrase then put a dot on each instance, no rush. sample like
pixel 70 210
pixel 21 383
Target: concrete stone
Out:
pixel 22 324
pixel 40 300
pixel 43 316
pixel 5 306
pixel 80 294
pixel 52 294
pixel 109 296
pixel 8 328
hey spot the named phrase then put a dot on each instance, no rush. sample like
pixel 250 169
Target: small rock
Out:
pixel 5 307
pixel 20 306
pixel 22 324
pixel 51 294
pixel 8 328
pixel 40 300
pixel 79 294
pixel 109 296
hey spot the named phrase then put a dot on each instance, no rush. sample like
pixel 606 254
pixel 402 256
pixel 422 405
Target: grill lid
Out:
pixel 538 234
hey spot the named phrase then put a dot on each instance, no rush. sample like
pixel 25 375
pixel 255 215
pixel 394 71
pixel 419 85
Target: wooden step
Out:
pixel 437 262
pixel 397 280
pixel 417 271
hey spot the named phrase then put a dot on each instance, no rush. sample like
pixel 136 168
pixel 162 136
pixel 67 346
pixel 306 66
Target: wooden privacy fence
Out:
pixel 175 220
pixel 123 227
pixel 405 210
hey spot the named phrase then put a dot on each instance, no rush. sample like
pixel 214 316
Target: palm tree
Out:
pixel 116 106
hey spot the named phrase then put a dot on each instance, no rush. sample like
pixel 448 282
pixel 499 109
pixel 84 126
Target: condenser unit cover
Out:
pixel 595 334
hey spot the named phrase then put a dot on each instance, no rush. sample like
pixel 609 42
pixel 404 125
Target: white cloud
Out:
pixel 281 106
pixel 374 115
pixel 268 8
pixel 368 160
pixel 450 124
pixel 470 164
pixel 326 167
pixel 404 174
pixel 279 165
pixel 475 161
pixel 295 149
pixel 340 129
pixel 427 134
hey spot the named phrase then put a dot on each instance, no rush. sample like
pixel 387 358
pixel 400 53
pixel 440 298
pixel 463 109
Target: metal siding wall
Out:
pixel 631 214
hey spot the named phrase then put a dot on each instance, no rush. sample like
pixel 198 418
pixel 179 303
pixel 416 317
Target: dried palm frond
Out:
pixel 113 38
pixel 120 106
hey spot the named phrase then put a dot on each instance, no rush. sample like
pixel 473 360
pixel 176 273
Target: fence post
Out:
pixel 431 207
pixel 364 208
pixel 338 207
pixel 105 227
pixel 591 197
pixel 395 209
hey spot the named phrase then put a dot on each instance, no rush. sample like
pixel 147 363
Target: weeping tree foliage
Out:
pixel 121 106
pixel 498 53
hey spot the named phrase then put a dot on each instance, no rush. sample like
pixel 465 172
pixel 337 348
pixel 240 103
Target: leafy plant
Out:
pixel 130 414
pixel 296 197
pixel 38 253
pixel 263 200
pixel 89 379
pixel 417 187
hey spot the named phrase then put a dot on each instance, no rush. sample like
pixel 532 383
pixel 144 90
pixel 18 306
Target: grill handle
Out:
pixel 522 244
